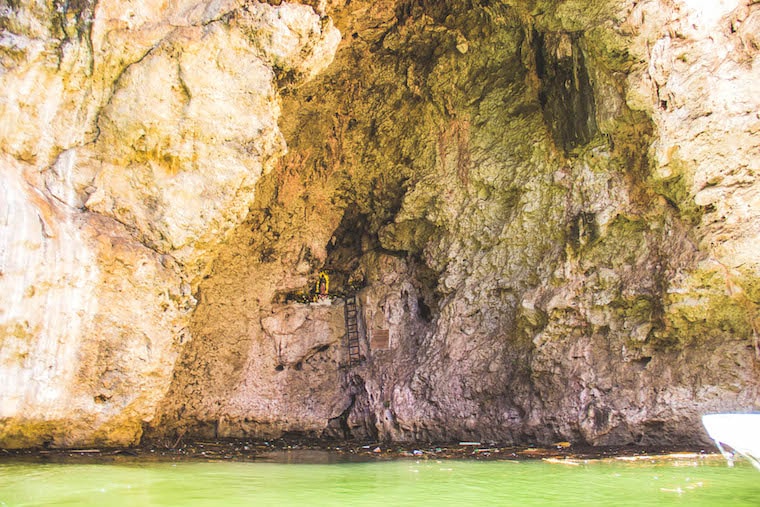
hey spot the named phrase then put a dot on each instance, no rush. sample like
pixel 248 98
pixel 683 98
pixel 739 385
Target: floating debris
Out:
pixel 534 450
pixel 247 450
pixel 563 461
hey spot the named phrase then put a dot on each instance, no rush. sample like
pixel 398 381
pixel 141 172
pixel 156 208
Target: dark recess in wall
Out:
pixel 566 95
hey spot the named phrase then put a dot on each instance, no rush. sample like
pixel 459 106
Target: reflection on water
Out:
pixel 689 481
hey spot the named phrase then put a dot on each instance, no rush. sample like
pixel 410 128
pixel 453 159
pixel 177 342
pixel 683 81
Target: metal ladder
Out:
pixel 352 331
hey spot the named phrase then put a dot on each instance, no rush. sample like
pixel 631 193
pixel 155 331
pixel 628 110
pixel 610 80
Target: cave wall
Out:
pixel 548 206
pixel 492 174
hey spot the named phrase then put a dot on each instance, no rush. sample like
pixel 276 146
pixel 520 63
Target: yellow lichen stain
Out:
pixel 715 300
pixel 20 433
pixel 18 330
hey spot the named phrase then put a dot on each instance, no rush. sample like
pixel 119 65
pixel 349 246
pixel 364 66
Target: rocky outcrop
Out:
pixel 132 141
pixel 545 211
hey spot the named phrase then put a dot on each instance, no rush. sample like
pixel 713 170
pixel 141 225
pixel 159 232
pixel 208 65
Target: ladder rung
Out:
pixel 352 331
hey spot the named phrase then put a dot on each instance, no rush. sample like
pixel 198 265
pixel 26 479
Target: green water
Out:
pixel 691 482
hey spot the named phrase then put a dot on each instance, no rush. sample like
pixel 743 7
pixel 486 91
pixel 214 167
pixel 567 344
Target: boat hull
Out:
pixel 740 432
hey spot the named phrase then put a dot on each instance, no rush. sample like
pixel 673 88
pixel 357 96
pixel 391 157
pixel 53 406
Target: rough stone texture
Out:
pixel 194 123
pixel 91 324
pixel 548 206
pixel 132 138
pixel 494 176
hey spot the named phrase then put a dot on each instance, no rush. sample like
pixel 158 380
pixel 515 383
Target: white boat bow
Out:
pixel 740 432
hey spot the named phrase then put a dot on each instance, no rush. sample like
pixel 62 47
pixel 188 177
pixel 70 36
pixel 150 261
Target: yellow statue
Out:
pixel 323 285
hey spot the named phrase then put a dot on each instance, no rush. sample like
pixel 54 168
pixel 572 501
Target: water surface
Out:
pixel 689 481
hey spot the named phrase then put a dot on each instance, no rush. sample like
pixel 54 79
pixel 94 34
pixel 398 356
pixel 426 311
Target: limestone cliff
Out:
pixel 546 209
pixel 132 137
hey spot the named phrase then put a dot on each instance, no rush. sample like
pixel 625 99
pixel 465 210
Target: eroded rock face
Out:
pixel 132 139
pixel 534 267
pixel 546 213
pixel 92 324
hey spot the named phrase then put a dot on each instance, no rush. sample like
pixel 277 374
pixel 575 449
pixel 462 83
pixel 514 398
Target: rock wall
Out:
pixel 132 139
pixel 546 210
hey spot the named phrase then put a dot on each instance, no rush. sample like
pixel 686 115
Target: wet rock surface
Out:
pixel 294 450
